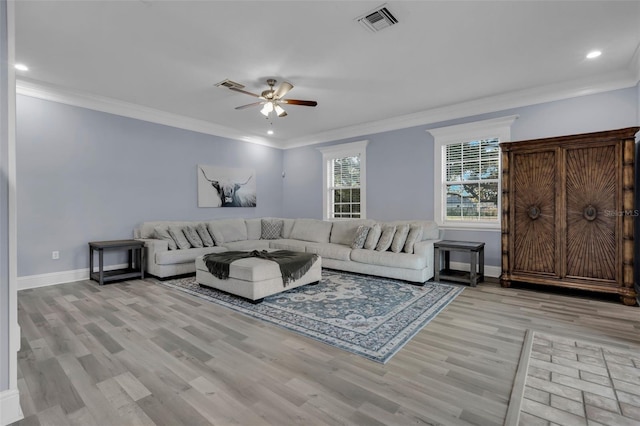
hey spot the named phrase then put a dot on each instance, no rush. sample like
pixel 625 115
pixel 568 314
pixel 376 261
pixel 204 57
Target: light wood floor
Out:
pixel 139 353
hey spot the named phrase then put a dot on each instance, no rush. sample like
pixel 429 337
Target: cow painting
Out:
pixel 224 187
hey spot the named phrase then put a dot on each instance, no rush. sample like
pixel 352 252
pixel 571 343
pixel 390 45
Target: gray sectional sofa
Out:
pixel 334 241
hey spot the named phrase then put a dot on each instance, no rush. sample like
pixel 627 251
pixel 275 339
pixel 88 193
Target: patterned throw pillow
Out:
pixel 373 237
pixel 178 236
pixel 388 231
pixel 415 234
pixel 204 234
pixel 271 229
pixel 192 236
pixel 361 237
pixel 162 233
pixel 400 238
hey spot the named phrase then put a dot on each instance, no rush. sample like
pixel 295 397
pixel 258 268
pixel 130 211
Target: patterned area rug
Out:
pixel 369 316
pixel 571 382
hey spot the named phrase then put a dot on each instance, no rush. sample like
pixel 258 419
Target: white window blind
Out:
pixel 344 180
pixel 344 188
pixel 467 173
pixel 472 180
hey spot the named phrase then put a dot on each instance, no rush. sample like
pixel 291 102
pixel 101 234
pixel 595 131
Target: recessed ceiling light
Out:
pixel 21 67
pixel 593 54
pixel 269 132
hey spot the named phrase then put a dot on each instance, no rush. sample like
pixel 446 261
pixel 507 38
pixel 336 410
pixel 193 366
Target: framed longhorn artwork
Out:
pixel 226 187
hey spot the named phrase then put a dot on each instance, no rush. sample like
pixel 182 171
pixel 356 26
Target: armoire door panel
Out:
pixel 534 207
pixel 591 200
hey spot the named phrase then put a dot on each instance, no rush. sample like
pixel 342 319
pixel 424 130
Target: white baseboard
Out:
pixel 53 278
pixel 10 410
pixel 489 271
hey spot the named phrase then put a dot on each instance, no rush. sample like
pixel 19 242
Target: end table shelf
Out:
pixel 476 253
pixel 135 268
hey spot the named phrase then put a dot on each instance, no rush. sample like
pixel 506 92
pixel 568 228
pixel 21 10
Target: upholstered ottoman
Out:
pixel 254 278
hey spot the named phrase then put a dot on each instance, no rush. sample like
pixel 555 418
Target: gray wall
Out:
pixel 400 163
pixel 4 202
pixel 84 175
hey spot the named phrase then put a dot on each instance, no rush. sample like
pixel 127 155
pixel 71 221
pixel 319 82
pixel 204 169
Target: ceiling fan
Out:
pixel 273 99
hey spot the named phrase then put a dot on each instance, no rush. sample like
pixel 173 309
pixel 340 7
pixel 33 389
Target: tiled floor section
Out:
pixel 572 382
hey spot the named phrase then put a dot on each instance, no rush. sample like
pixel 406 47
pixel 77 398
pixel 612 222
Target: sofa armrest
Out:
pixel 424 248
pixel 153 246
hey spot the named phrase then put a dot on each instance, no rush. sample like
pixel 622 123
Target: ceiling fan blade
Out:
pixel 299 102
pixel 235 89
pixel 282 90
pixel 250 105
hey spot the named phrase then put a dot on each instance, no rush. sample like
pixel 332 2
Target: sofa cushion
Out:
pixel 204 234
pixel 271 229
pixel 192 236
pixel 330 250
pixel 373 237
pixel 317 231
pixel 254 228
pixel 287 227
pixel 288 244
pixel 430 229
pixel 361 237
pixel 388 258
pixel 228 230
pixel 179 237
pixel 172 257
pixel 415 235
pixel 344 231
pixel 162 233
pixel 400 238
pixel 386 238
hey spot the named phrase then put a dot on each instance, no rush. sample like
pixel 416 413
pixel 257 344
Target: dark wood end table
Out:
pixel 444 272
pixel 135 268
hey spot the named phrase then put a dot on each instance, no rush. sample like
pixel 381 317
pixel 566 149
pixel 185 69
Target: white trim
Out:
pixel 10 410
pixel 489 271
pixel 496 127
pixel 343 150
pixel 517 99
pixel 62 277
pixel 10 398
pixel 521 98
pixel 139 112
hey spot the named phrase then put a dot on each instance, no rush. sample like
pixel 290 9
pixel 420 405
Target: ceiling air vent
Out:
pixel 378 19
pixel 229 84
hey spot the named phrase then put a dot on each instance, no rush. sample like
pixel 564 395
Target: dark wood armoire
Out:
pixel 568 212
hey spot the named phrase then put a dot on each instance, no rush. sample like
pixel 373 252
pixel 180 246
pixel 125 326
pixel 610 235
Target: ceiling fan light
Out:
pixel 267 108
pixel 280 111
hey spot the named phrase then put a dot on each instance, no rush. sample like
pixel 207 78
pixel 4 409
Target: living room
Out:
pixel 89 169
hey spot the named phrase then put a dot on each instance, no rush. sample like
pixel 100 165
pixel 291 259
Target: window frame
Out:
pixel 330 153
pixel 443 136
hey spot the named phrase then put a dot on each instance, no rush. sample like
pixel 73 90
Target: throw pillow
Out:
pixel 192 236
pixel 162 233
pixel 400 238
pixel 373 237
pixel 178 236
pixel 361 237
pixel 204 234
pixel 415 234
pixel 271 229
pixel 388 231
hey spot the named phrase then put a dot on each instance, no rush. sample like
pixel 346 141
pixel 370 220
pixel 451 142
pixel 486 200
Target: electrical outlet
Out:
pixel 55 255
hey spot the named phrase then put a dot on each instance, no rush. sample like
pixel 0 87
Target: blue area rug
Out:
pixel 370 316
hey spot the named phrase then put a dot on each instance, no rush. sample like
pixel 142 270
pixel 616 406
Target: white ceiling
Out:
pixel 443 59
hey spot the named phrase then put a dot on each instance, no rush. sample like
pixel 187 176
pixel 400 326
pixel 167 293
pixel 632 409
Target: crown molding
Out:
pixel 130 110
pixel 505 101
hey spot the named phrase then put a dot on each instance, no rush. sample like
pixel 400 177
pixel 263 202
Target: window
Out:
pixel 467 173
pixel 344 180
